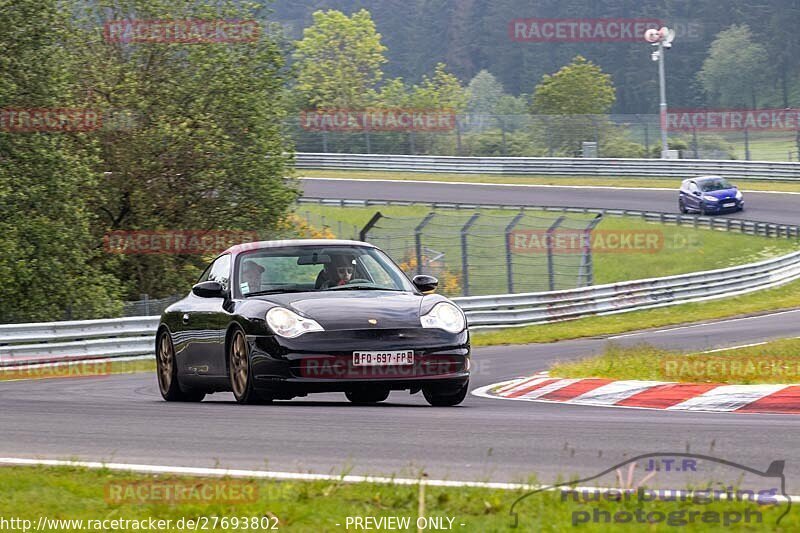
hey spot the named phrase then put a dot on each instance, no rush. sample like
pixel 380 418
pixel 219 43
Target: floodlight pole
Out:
pixel 663 105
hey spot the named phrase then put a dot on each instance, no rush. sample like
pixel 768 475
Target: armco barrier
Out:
pixel 135 336
pixel 553 166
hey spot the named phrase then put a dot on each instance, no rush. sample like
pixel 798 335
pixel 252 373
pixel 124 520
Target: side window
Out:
pixel 692 187
pixel 221 270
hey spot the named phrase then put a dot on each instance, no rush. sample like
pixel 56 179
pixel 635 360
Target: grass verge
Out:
pixel 784 297
pixel 598 181
pixel 67 493
pixel 680 249
pixel 776 362
pixel 76 369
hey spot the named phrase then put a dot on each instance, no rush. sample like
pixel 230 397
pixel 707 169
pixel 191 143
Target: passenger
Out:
pixel 251 274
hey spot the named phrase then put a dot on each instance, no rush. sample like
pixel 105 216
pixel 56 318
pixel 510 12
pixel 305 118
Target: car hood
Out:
pixel 723 193
pixel 353 309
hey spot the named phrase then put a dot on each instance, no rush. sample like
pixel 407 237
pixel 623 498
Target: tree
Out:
pixel 440 91
pixel 573 101
pixel 735 68
pixel 339 60
pixel 484 93
pixel 580 88
pixel 47 253
pixel 206 152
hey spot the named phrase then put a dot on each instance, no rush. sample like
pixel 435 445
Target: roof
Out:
pixel 244 247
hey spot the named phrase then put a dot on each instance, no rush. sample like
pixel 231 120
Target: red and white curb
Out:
pixel 704 397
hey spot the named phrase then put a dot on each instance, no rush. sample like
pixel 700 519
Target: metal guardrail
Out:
pixel 750 227
pixel 553 166
pixel 537 308
pixel 88 339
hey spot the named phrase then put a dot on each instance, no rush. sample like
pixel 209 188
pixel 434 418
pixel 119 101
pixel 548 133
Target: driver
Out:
pixel 251 274
pixel 339 272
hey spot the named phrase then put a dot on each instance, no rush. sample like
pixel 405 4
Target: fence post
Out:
pixel 418 239
pixel 464 254
pixel 509 263
pixel 587 264
pixel 551 275
pixel 362 235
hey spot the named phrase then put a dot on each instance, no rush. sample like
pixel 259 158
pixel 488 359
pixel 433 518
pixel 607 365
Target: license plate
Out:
pixel 731 204
pixel 405 357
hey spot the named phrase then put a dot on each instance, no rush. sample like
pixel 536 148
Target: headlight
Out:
pixel 444 316
pixel 738 195
pixel 288 324
pixel 709 198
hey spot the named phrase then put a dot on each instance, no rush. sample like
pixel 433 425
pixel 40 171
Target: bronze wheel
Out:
pixel 166 371
pixel 239 369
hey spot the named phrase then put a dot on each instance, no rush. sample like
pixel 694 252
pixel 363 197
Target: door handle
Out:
pixel 185 318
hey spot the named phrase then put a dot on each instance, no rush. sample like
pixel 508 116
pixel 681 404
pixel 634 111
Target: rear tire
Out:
pixel 367 396
pixel 240 372
pixel 167 372
pixel 448 399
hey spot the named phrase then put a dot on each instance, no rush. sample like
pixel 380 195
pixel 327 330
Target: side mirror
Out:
pixel 697 193
pixel 425 283
pixel 209 289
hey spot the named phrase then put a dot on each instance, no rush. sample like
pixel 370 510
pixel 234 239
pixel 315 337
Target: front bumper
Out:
pixel 720 207
pixel 323 361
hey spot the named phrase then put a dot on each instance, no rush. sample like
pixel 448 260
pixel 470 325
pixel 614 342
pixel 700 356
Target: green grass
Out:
pixel 603 181
pixel 776 362
pixel 78 369
pixel 681 249
pixel 73 493
pixel 784 297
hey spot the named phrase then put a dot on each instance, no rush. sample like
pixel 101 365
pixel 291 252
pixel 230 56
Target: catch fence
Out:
pixel 475 253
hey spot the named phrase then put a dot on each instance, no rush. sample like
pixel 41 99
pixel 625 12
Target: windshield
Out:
pixel 317 268
pixel 714 184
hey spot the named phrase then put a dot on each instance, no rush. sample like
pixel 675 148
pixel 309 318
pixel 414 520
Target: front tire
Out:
pixel 367 396
pixel 445 399
pixel 240 371
pixel 682 207
pixel 167 372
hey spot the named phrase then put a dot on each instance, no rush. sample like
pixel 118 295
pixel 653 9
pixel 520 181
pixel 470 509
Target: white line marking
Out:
pixel 286 476
pixel 715 350
pixel 533 185
pixel 727 321
pixel 727 398
pixel 611 187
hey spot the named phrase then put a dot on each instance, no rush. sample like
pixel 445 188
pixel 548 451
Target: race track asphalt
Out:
pixel 123 419
pixel 764 207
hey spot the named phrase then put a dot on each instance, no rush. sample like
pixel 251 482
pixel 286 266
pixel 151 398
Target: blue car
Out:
pixel 709 195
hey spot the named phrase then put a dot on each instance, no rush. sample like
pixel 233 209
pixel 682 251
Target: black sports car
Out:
pixel 279 319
